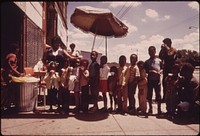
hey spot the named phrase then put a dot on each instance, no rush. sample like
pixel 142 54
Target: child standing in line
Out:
pixel 76 72
pixel 94 80
pixel 171 97
pixel 63 95
pixel 143 88
pixel 52 79
pixel 122 87
pixel 132 83
pixel 104 71
pixel 112 87
pixel 84 79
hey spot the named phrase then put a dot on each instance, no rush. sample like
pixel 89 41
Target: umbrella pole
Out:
pixel 106 45
pixel 94 42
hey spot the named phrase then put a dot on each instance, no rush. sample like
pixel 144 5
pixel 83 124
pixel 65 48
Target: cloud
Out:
pixel 125 4
pixel 81 39
pixel 151 13
pixel 189 42
pixel 142 37
pixel 78 34
pixel 143 20
pixel 154 14
pixel 194 5
pixel 166 17
pixel 140 48
pixel 131 28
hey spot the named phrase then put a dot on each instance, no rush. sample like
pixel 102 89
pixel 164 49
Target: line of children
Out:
pixel 116 80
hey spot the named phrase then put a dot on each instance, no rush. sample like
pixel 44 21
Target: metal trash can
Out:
pixel 27 96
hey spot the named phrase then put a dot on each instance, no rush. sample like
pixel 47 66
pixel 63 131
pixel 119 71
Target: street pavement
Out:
pixel 100 123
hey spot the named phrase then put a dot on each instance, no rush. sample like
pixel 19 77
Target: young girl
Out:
pixel 112 87
pixel 104 71
pixel 76 89
pixel 84 79
pixel 63 94
pixel 143 88
pixel 52 79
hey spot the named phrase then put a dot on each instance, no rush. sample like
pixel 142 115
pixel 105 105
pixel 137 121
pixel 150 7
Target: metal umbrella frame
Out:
pixel 99 22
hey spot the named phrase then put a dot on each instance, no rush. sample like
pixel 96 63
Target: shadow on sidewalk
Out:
pixel 92 116
pixel 12 113
pixel 180 120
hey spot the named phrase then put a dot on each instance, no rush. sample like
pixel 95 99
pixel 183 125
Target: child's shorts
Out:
pixel 103 86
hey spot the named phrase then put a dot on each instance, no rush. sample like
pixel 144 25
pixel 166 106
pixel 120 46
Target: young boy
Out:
pixel 122 87
pixel 171 98
pixel 153 67
pixel 84 79
pixel 94 80
pixel 112 87
pixel 188 93
pixel 143 89
pixel 132 83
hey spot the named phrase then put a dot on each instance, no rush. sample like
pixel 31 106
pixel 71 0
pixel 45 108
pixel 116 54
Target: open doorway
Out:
pixel 11 30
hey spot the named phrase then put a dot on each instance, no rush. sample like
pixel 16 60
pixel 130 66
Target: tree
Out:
pixel 190 56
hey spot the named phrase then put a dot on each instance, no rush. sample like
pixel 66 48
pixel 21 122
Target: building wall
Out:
pixel 33 10
pixel 34 30
pixel 57 21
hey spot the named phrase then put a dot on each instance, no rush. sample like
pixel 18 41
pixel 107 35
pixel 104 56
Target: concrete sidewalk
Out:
pixel 29 123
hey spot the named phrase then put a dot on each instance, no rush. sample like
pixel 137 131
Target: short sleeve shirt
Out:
pixel 153 64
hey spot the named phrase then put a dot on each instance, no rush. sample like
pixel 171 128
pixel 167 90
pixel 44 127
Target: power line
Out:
pixel 122 15
pixel 121 9
pixel 127 9
pixel 181 22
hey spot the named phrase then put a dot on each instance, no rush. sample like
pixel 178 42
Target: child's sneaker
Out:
pixel 93 110
pixel 150 111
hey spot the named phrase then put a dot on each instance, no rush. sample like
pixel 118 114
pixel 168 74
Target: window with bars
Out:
pixel 34 44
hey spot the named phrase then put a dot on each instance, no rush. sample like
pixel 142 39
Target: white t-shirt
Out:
pixel 104 72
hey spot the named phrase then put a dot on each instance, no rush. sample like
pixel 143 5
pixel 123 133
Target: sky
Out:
pixel 148 24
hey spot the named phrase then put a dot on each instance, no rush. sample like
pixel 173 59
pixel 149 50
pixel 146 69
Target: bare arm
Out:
pixel 71 57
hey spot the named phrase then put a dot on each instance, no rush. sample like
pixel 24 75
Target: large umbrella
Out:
pixel 99 22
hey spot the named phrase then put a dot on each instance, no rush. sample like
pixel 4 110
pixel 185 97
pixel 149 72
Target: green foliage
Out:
pixel 192 57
